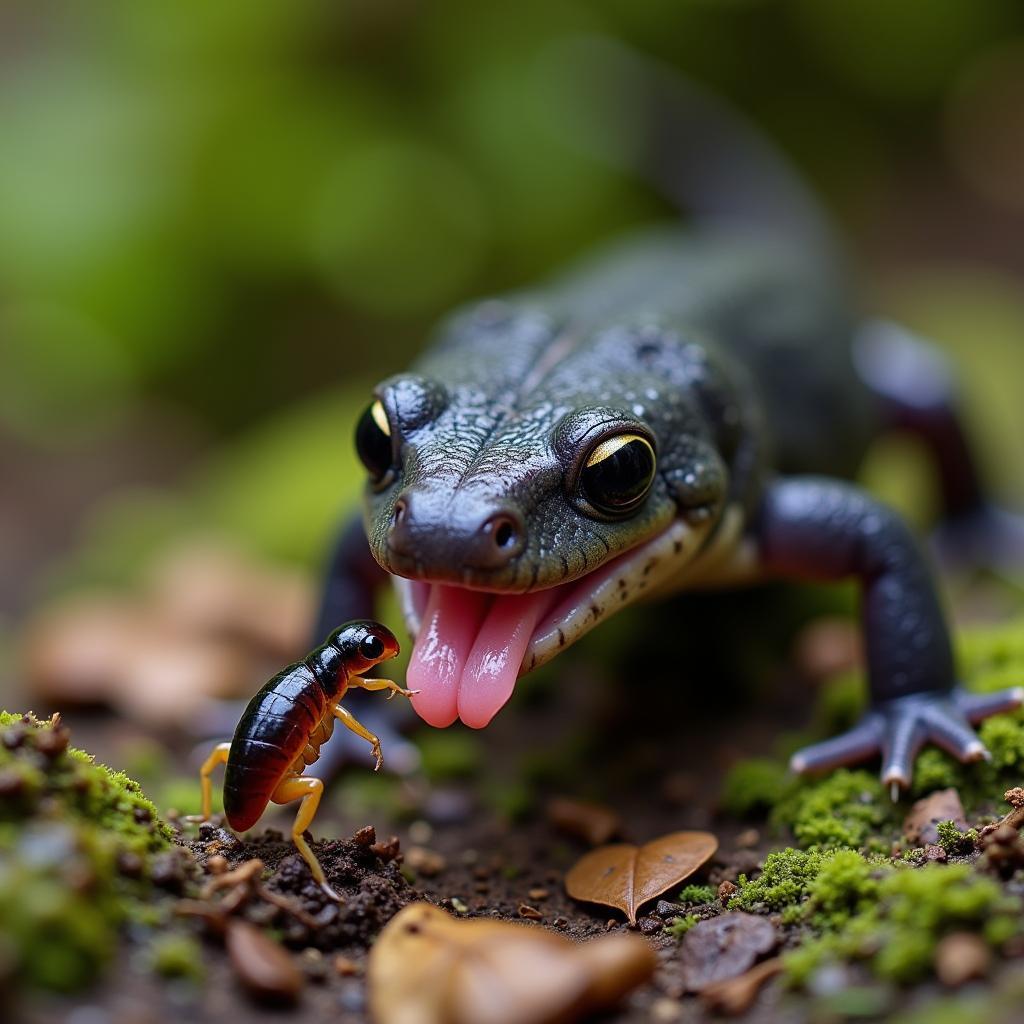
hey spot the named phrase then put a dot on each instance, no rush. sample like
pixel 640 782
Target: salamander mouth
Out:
pixel 471 646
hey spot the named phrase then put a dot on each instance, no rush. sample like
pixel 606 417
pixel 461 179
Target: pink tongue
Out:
pixel 447 631
pixel 469 651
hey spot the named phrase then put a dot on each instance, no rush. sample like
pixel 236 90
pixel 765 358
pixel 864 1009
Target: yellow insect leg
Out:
pixel 309 791
pixel 349 720
pixel 219 755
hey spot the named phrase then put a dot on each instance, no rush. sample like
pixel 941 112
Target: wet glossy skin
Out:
pixel 282 727
pixel 732 360
pixel 732 356
pixel 731 352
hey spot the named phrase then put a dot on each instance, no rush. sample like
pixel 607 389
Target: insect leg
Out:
pixel 379 684
pixel 219 755
pixel 309 792
pixel 350 722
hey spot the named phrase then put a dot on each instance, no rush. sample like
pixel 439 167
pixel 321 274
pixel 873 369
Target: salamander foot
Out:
pixel 901 727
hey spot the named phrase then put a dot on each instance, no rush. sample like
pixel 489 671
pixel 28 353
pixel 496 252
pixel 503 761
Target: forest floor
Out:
pixel 476 832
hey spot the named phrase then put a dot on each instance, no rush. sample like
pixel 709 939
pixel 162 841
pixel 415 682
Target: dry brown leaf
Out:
pixel 736 995
pixel 921 824
pixel 627 876
pixel 263 967
pixel 428 967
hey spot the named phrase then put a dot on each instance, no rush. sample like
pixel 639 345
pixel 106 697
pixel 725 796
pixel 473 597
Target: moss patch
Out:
pixel 76 840
pixel 900 917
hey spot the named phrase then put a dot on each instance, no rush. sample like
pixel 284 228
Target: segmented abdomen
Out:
pixel 271 734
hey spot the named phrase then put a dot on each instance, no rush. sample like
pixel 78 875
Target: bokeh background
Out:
pixel 220 223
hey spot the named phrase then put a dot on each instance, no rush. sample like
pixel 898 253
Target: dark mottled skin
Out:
pixel 737 350
pixel 646 333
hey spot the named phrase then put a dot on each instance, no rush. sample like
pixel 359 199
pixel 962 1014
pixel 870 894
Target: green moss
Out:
pixel 784 881
pixel 698 894
pixel 844 886
pixel 681 925
pixel 894 922
pixel 844 809
pixel 953 841
pixel 75 839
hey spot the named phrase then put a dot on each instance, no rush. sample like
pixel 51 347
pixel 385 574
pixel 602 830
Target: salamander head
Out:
pixel 516 516
pixel 362 644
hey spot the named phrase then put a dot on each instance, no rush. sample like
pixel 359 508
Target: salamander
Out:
pixel 686 408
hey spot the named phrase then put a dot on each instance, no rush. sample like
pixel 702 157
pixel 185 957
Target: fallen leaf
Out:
pixel 627 876
pixel 724 947
pixel 262 966
pixel 428 967
pixel 736 995
pixel 920 826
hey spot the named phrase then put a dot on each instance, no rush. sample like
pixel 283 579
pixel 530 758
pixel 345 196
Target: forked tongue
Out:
pixel 469 651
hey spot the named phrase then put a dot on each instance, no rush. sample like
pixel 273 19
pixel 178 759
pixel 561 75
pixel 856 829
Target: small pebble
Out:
pixel 665 909
pixel 387 850
pixel 365 837
pixel 538 894
pixel 530 913
pixel 727 890
pixel 650 925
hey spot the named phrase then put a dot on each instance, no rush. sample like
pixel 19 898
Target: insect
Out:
pixel 285 724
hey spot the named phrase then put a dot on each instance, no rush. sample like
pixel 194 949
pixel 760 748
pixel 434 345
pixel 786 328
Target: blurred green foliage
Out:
pixel 226 208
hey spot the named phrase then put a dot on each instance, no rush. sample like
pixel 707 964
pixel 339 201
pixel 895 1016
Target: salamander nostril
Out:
pixel 503 533
pixel 399 512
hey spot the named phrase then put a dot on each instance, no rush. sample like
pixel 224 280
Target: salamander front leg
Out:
pixel 350 722
pixel 309 792
pixel 218 756
pixel 819 529
pixel 918 393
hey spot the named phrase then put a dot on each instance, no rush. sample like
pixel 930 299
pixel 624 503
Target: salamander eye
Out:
pixel 373 441
pixel 372 647
pixel 618 473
